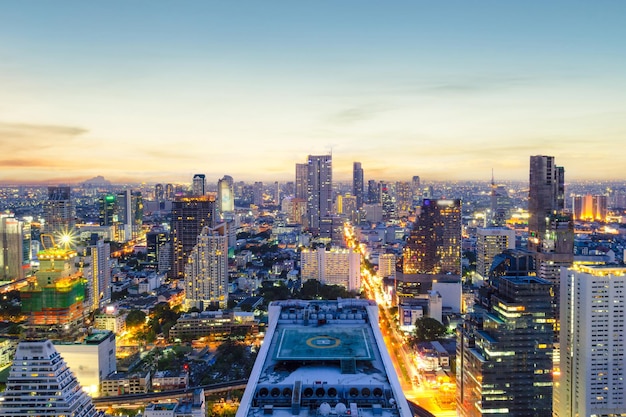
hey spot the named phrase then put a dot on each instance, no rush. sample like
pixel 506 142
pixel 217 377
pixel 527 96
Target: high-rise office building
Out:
pixel 58 211
pixel 592 378
pixel 404 197
pixel 545 196
pixel 159 193
pixel 504 355
pixel 319 189
pixel 11 248
pixel 388 201
pixel 550 228
pixel 107 210
pixel 259 190
pixel 416 189
pixel 373 192
pixel 491 241
pixel 434 245
pixel 41 384
pixel 129 214
pixel 206 271
pixel 198 185
pixel 95 264
pixel 169 192
pixel 189 216
pixel 158 245
pixel 302 177
pixel 225 195
pixel 358 184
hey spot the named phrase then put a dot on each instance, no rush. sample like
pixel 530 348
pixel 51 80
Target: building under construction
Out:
pixel 54 302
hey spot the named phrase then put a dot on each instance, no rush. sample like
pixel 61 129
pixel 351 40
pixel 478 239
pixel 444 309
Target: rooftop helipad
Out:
pixel 323 343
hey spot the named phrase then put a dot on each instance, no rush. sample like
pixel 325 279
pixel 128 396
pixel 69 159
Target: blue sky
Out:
pixel 158 91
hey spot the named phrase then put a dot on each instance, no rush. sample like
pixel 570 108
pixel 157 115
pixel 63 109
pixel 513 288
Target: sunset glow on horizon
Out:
pixel 158 91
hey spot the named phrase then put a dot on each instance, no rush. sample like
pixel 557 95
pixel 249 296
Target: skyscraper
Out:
pixel 95 264
pixel 358 185
pixel 302 175
pixel 373 192
pixel 198 186
pixel 545 196
pixel 189 216
pixel 550 229
pixel 504 355
pixel 434 245
pixel 592 378
pixel 58 211
pixel 107 210
pixel 225 195
pixel 491 241
pixel 11 248
pixel 129 214
pixel 41 384
pixel 206 271
pixel 404 197
pixel 319 189
pixel 416 189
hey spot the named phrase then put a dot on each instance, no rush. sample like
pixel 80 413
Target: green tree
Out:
pixel 428 329
pixel 135 318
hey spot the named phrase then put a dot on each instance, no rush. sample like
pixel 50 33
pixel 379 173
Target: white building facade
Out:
pixel 592 364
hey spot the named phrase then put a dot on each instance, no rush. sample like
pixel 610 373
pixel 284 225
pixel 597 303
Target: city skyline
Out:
pixel 157 92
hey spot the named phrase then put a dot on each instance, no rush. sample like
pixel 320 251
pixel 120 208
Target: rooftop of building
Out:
pixel 323 357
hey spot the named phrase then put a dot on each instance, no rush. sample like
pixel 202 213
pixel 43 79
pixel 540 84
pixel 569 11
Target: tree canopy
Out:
pixel 428 329
pixel 135 318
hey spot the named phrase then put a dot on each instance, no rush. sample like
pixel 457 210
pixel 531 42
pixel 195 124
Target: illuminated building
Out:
pixel 58 211
pixel 225 195
pixel 96 269
pixel 332 267
pixel 589 207
pixel 550 229
pixel 258 192
pixel 302 174
pixel 215 324
pixel 159 193
pixel 404 197
pixel 501 204
pixel 358 184
pixel 186 407
pixel 386 265
pixel 373 192
pixel 40 383
pixel 319 190
pixel 322 358
pixel 91 360
pixel 387 201
pixel 347 206
pixel 416 189
pixel 331 229
pixel 158 250
pixel 108 212
pixel 490 242
pixel 198 185
pixel 130 214
pixel 206 271
pixel 169 192
pixel 189 216
pixel 111 319
pixel 545 196
pixel 592 378
pixel 504 354
pixel 11 248
pixel 434 245
pixel 56 300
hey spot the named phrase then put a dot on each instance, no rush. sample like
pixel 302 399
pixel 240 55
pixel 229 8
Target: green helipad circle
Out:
pixel 323 342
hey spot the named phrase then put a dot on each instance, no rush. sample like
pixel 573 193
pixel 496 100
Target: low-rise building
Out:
pixel 125 383
pixel 168 380
pixel 214 323
pixel 188 407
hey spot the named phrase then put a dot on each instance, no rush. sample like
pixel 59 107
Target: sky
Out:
pixel 157 91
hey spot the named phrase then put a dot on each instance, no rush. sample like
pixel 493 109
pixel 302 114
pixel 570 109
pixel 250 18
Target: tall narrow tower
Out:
pixel 545 196
pixel 319 189
pixel 358 186
pixel 198 186
pixel 302 173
